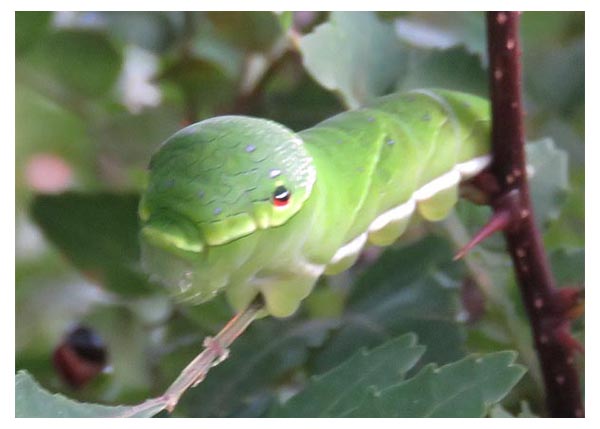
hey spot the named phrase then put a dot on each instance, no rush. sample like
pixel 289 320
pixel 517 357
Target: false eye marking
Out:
pixel 281 196
pixel 274 173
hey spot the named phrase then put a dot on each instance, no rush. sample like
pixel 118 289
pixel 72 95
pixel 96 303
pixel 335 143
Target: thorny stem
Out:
pixel 475 262
pixel 541 298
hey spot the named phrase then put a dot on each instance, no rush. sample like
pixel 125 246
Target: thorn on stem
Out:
pixel 498 222
pixel 564 337
pixel 569 302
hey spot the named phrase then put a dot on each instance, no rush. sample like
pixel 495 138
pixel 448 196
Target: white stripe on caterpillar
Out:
pixel 400 212
pixel 473 167
pixel 351 248
pixel 445 181
pixel 461 171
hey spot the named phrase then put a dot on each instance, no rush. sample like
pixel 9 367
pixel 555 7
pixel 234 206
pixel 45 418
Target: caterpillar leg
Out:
pixel 438 206
pixel 281 290
pixel 346 256
pixel 386 228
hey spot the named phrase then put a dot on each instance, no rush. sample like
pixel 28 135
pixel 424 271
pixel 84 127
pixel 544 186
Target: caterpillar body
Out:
pixel 246 206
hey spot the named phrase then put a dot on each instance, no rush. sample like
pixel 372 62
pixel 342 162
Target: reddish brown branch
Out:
pixel 546 307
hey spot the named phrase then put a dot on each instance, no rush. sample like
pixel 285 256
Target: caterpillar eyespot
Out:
pixel 281 196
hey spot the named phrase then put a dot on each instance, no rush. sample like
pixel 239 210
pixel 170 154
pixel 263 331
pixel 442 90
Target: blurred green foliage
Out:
pixel 96 94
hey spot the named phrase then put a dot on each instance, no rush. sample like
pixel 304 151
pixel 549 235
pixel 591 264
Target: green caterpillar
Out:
pixel 246 206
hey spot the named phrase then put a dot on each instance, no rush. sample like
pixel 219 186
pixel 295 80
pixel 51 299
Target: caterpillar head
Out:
pixel 213 188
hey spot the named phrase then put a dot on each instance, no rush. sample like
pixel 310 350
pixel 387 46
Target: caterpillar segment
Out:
pixel 422 145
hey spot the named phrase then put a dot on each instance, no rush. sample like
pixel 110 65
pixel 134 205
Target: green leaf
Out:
pixel 34 401
pixel 543 31
pixel 29 29
pixel 454 68
pixel 204 83
pixel 553 61
pixel 298 103
pixel 526 411
pixel 129 140
pixel 498 411
pixel 467 388
pixel 254 31
pixel 338 392
pixel 98 233
pixel 80 60
pixel 443 30
pixel 412 289
pixel 155 31
pixel 286 19
pixel 210 47
pixel 566 136
pixel 550 181
pixel 568 265
pixel 569 228
pixel 355 54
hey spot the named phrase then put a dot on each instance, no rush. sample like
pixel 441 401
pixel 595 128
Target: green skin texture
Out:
pixel 209 222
